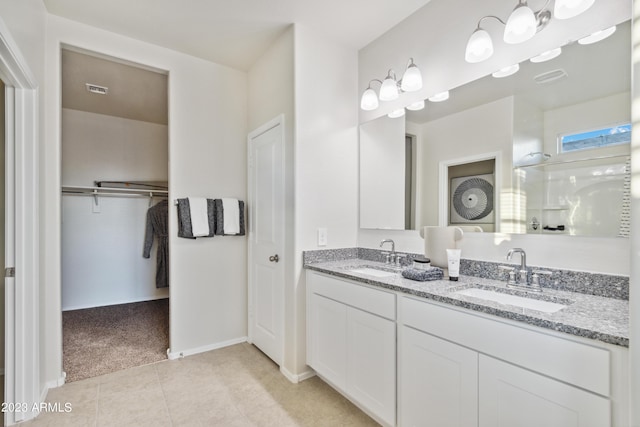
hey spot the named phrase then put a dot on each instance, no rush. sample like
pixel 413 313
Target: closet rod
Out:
pixel 108 191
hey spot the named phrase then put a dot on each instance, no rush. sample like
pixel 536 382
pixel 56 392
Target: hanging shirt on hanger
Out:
pixel 157 225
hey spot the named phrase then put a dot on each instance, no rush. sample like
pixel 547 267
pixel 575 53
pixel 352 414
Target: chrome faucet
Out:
pixel 391 257
pixel 524 275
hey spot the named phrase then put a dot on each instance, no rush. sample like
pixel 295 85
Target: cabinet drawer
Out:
pixel 374 301
pixel 569 361
pixel 516 397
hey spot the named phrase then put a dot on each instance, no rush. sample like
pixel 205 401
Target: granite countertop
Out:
pixel 595 317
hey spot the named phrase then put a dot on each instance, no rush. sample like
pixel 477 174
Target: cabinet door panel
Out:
pixel 438 382
pixel 371 377
pixel 329 339
pixel 514 397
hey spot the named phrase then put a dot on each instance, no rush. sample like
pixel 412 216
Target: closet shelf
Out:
pixel 75 190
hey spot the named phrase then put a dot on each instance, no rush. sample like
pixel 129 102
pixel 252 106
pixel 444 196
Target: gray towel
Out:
pixel 184 219
pixel 220 218
pixel 431 273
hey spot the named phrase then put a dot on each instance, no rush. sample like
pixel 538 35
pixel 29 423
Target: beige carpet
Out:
pixel 101 340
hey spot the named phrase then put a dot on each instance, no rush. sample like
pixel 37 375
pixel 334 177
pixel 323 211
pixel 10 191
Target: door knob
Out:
pixel 274 258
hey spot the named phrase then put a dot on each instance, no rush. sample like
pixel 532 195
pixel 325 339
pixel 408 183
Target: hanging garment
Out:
pixel 157 225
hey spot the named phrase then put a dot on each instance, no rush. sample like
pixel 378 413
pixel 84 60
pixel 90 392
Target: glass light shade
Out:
pixel 521 25
pixel 439 97
pixel 389 89
pixel 506 71
pixel 597 36
pixel 396 113
pixel 479 46
pixel 547 56
pixel 369 100
pixel 419 105
pixel 412 79
pixel 565 9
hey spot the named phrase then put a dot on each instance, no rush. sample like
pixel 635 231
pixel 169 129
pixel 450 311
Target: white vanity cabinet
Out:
pixel 438 382
pixel 457 368
pixel 513 396
pixel 351 342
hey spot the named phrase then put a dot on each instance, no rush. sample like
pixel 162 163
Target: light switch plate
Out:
pixel 322 236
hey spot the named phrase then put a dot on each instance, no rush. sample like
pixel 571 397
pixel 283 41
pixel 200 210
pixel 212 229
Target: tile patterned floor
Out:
pixel 233 386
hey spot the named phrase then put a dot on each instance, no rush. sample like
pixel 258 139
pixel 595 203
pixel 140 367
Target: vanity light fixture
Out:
pixel 396 113
pixel 416 106
pixel 439 97
pixel 597 36
pixel 565 9
pixel 523 23
pixel 506 71
pixel 369 100
pixel 391 88
pixel 547 56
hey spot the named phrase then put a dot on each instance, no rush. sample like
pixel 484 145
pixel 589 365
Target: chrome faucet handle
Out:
pixel 512 273
pixel 399 258
pixel 535 278
pixel 387 256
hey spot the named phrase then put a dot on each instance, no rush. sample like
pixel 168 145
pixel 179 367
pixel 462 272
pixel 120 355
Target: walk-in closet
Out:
pixel 115 290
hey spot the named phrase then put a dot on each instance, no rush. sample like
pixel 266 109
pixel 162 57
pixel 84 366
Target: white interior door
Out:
pixel 266 238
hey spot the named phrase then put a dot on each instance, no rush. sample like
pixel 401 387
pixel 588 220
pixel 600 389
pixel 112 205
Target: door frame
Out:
pixel 443 185
pixel 22 332
pixel 277 121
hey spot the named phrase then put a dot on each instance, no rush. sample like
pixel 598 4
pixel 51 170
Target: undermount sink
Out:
pixel 514 300
pixel 369 271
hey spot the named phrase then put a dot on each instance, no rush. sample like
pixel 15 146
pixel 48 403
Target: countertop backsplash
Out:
pixel 604 285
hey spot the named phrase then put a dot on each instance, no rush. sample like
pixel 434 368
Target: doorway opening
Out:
pixel 114 140
pixel 467 195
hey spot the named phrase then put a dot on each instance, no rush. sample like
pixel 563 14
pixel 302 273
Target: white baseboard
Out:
pixel 57 383
pixel 189 352
pixel 119 302
pixel 296 378
pixel 52 384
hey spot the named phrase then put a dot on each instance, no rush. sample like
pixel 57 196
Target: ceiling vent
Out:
pixel 550 76
pixel 100 90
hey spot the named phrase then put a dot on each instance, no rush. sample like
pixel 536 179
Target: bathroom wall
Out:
pixel 326 155
pixel 271 93
pixel 634 300
pixel 102 261
pixel 312 81
pixel 207 157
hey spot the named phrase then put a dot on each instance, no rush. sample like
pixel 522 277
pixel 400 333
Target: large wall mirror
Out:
pixel 544 150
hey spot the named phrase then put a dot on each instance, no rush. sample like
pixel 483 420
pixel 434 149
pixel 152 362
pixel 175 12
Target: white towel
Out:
pixel 231 216
pixel 199 216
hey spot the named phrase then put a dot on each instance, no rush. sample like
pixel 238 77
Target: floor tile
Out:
pixel 236 386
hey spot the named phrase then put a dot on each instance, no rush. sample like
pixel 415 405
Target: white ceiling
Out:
pixel 236 32
pixel 133 93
